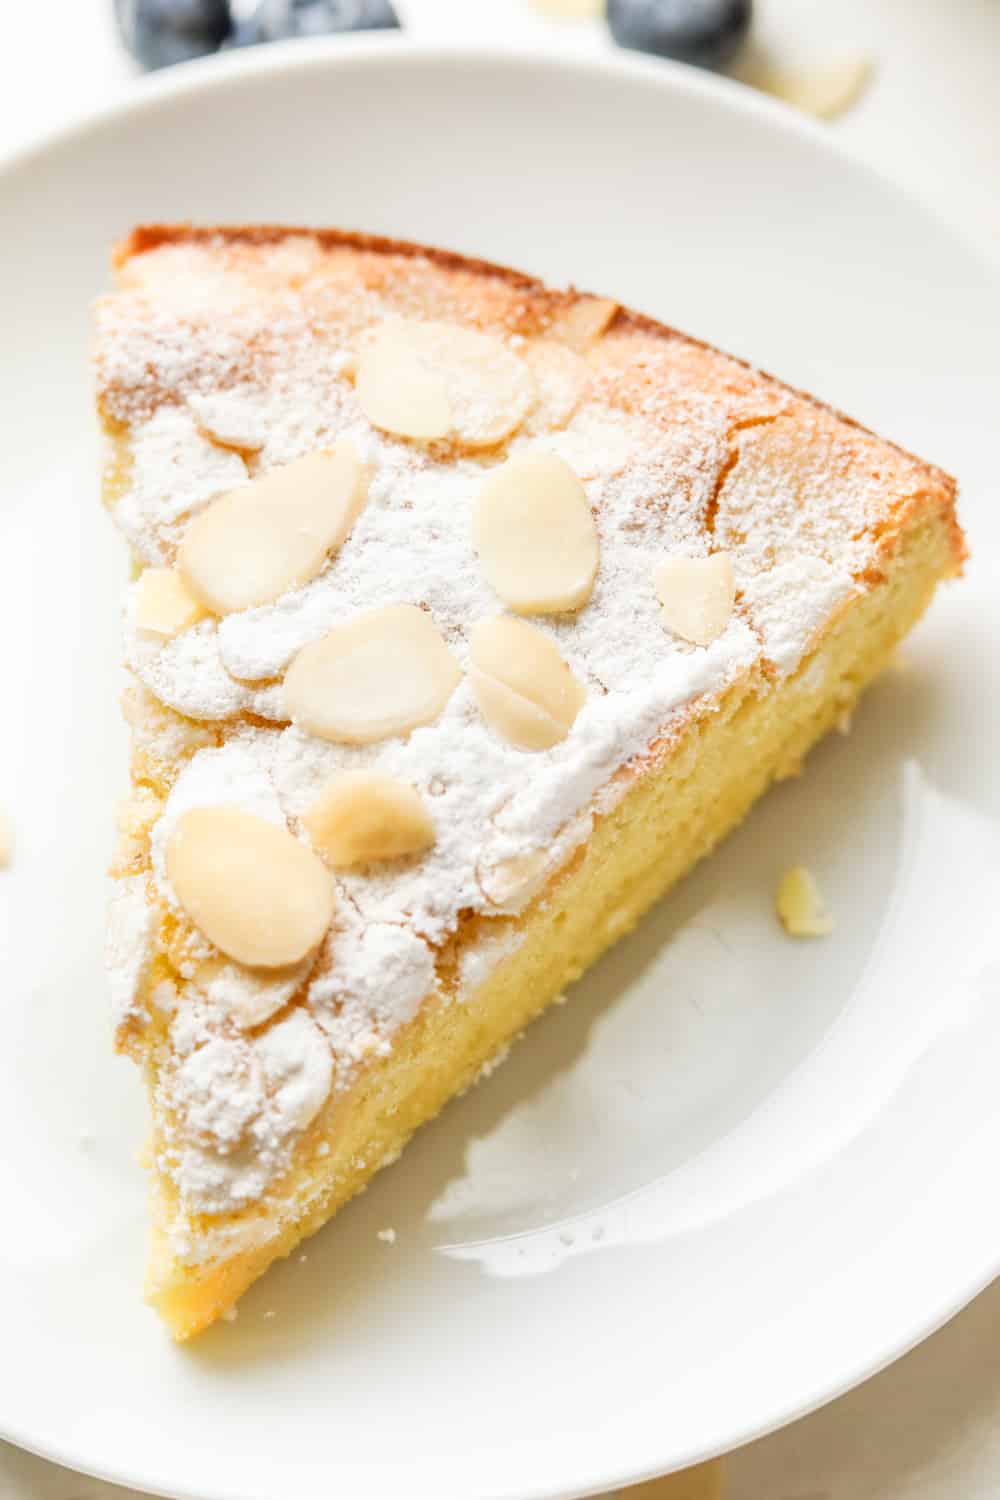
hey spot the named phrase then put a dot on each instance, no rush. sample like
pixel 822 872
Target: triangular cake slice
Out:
pixel 467 615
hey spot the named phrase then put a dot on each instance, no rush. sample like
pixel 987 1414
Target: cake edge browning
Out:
pixel 152 236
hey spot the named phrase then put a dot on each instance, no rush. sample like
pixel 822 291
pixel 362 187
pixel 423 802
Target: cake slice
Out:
pixel 467 615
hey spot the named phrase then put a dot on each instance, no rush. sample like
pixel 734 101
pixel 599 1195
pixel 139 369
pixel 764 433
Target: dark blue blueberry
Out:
pixel 275 20
pixel 161 32
pixel 245 34
pixel 705 32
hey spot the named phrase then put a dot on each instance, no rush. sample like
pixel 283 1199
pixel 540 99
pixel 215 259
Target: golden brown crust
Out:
pixel 941 488
pixel 151 236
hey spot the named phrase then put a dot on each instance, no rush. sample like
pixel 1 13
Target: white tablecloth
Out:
pixel 929 1427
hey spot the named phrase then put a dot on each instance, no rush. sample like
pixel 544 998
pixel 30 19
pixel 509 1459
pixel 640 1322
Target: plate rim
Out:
pixel 143 96
pixel 145 92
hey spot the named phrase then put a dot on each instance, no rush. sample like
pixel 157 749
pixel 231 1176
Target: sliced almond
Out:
pixel 228 421
pixel 399 391
pixel 583 323
pixel 274 534
pixel 256 893
pixel 560 377
pixel 361 816
pixel 697 595
pixel 524 688
pixel 436 380
pixel 514 881
pixel 384 672
pixel 511 883
pixel 800 905
pixel 164 605
pixel 535 535
pixel 250 999
pixel 825 89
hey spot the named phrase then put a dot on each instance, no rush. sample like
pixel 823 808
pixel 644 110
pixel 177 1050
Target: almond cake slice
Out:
pixel 467 615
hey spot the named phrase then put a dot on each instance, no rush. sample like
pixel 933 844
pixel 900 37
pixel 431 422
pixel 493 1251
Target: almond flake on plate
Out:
pixel 800 904
pixel 825 90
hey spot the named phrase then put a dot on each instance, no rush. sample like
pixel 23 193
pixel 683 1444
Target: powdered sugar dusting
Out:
pixel 791 602
pixel 374 977
pixel 128 947
pixel 187 673
pixel 231 1107
pixel 175 470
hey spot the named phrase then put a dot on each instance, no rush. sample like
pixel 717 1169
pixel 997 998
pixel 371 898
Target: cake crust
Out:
pixel 146 237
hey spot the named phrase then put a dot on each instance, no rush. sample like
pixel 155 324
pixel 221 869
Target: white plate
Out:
pixel 735 1174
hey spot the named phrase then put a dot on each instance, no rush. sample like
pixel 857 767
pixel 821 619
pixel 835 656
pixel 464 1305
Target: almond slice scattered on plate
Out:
pixel 823 89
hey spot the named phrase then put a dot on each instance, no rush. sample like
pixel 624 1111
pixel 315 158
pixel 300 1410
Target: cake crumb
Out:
pixel 230 1315
pixel 800 905
pixel 303 1259
pixel 492 1063
pixel 388 1236
pixel 270 1313
pixel 844 721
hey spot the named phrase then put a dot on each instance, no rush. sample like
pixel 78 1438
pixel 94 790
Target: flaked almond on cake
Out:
pixel 467 615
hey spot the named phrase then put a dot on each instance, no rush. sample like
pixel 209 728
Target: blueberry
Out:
pixel 705 32
pixel 245 34
pixel 274 20
pixel 161 32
